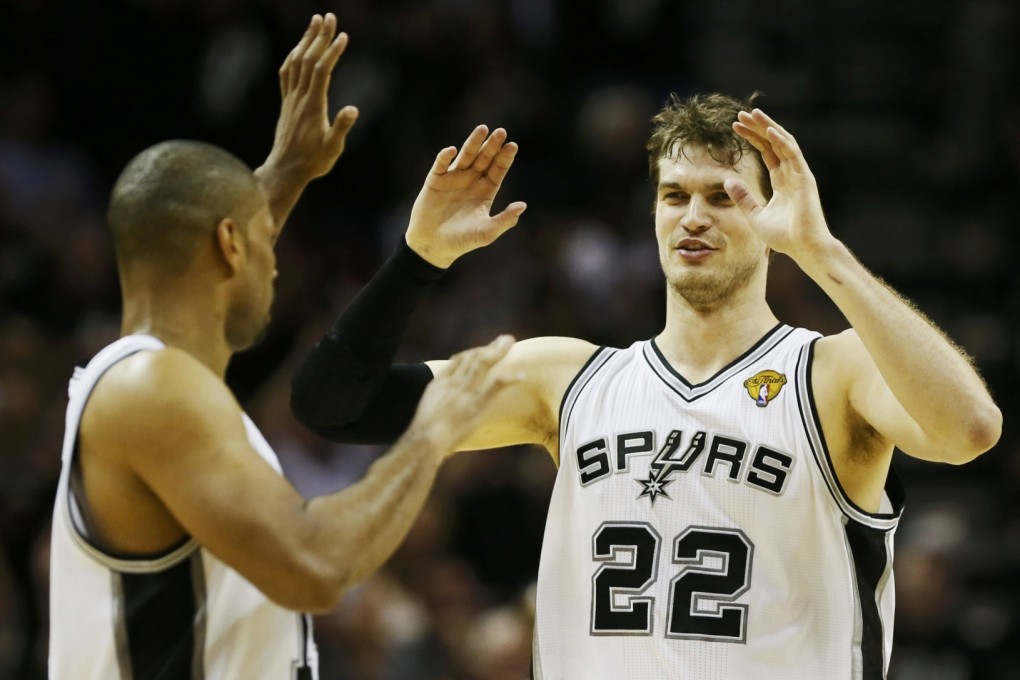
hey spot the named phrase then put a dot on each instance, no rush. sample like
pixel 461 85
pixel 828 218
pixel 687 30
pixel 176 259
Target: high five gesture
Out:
pixel 451 215
pixel 307 143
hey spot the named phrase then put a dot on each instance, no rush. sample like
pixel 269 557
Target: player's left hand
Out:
pixel 307 144
pixel 451 215
pixel 792 221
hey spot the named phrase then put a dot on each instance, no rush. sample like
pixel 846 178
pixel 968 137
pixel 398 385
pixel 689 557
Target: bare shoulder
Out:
pixel 158 378
pixel 839 356
pixel 154 392
pixel 840 363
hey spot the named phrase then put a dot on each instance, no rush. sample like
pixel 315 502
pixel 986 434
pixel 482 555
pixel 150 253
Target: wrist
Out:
pixel 427 254
pixel 415 265
pixel 377 317
pixel 273 172
pixel 825 261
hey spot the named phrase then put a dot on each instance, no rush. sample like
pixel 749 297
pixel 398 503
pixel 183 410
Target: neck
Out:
pixel 700 341
pixel 186 322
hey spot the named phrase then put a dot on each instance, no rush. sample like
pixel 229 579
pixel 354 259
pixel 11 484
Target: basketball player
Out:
pixel 178 549
pixel 724 506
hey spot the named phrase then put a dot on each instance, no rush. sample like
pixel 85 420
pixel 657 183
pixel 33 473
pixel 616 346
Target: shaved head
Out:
pixel 169 199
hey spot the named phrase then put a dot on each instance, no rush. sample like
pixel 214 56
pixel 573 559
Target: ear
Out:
pixel 230 244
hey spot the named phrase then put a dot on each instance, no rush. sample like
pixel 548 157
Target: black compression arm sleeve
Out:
pixel 346 389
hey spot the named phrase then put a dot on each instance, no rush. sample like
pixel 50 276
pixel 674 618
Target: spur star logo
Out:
pixel 667 462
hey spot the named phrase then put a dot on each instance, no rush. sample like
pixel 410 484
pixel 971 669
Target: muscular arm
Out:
pixel 182 450
pixel 527 412
pixel 894 377
pixel 897 366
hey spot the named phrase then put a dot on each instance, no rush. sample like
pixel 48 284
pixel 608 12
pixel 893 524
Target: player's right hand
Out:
pixel 452 406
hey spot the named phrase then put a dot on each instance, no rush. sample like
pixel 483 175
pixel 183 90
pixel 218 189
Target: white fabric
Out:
pixel 792 592
pixel 238 632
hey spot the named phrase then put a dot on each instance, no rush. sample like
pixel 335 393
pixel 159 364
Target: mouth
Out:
pixel 693 249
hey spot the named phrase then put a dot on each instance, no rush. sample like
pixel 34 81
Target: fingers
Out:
pixel 756 140
pixel 501 163
pixel 443 160
pixel 490 155
pixel 490 148
pixel 507 219
pixel 290 71
pixel 342 124
pixel 470 360
pixel 774 142
pixel 311 61
pixel 322 40
pixel 474 366
pixel 469 150
pixel 741 195
pixel 323 68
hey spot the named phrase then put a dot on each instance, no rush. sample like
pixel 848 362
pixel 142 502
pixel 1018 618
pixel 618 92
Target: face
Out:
pixel 249 314
pixel 707 249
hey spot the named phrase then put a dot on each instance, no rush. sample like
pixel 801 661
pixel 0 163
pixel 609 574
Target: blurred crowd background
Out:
pixel 907 112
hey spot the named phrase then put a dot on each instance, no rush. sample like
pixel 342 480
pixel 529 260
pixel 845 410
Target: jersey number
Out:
pixel 714 571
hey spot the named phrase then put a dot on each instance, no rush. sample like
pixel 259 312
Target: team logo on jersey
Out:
pixel 667 462
pixel 764 386
pixel 715 454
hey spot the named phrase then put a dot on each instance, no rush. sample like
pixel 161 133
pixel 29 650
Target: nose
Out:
pixel 696 219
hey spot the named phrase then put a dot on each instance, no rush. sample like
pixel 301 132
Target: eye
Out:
pixel 722 198
pixel 674 197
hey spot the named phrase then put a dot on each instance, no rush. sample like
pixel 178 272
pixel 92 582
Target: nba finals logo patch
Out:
pixel 763 387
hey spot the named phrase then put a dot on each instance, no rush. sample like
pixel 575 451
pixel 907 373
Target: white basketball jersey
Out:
pixel 698 532
pixel 183 615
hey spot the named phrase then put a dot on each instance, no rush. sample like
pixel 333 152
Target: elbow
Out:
pixel 309 411
pixel 315 587
pixel 316 415
pixel 304 410
pixel 325 590
pixel 981 432
pixel 322 600
pixel 986 429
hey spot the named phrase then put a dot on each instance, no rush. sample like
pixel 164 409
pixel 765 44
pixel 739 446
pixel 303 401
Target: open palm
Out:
pixel 792 221
pixel 451 215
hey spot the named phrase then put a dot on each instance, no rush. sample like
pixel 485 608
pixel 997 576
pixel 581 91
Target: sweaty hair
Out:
pixel 169 198
pixel 704 121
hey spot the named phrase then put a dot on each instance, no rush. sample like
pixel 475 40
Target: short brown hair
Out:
pixel 705 121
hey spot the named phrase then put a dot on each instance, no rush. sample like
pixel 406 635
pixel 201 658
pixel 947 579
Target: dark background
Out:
pixel 906 110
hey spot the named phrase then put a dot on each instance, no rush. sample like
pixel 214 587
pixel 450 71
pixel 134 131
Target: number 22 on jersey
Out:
pixel 712 571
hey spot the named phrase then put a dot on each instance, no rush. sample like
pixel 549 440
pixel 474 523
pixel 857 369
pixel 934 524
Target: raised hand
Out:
pixel 307 144
pixel 452 406
pixel 306 141
pixel 451 215
pixel 792 221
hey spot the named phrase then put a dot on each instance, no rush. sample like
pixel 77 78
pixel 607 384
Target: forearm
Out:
pixel 357 406
pixel 915 359
pixel 347 378
pixel 365 523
